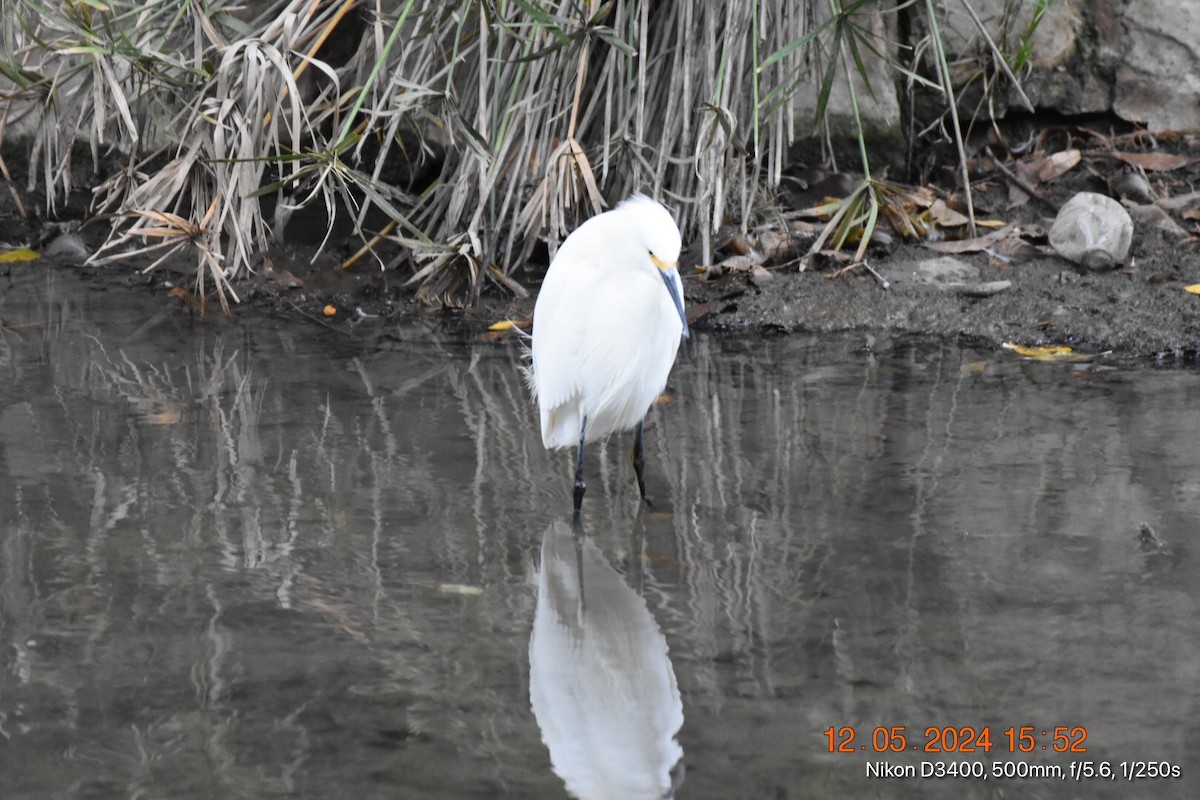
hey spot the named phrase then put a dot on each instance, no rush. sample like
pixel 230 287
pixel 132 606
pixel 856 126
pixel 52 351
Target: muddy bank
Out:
pixel 1138 310
pixel 1141 310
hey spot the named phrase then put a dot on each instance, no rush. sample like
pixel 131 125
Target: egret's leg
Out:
pixel 638 457
pixel 580 485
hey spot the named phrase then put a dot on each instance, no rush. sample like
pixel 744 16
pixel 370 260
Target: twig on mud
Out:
pixel 883 282
pixel 1022 184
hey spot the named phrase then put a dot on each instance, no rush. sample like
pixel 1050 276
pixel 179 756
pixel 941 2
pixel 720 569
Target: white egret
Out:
pixel 606 327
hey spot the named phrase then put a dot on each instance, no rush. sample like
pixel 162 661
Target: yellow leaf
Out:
pixel 1194 288
pixel 1053 352
pixel 1044 351
pixel 20 254
pixel 990 223
pixel 502 325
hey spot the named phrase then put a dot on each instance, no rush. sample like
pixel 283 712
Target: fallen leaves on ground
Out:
pixel 1156 162
pixel 1047 168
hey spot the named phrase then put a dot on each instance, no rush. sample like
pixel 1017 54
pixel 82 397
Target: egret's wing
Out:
pixel 561 338
pixel 631 345
pixel 559 325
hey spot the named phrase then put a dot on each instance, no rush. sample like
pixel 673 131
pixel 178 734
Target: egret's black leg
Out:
pixel 638 457
pixel 580 485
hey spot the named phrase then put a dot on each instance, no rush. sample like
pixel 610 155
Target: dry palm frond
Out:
pixel 853 219
pixel 177 236
pixel 568 181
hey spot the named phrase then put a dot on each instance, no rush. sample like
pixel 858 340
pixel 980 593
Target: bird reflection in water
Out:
pixel 600 681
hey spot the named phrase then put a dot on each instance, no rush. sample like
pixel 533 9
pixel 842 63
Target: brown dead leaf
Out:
pixel 738 244
pixel 1157 162
pixel 738 264
pixel 944 216
pixel 1052 166
pixel 977 244
pixel 921 197
pixel 775 244
pixel 1015 248
pixel 1152 216
pixel 761 275
pixel 1179 201
pixel 184 295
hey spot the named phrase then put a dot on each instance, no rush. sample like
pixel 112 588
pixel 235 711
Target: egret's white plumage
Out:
pixel 607 325
pixel 601 684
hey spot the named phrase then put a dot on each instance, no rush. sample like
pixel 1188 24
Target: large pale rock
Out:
pixel 878 104
pixel 1140 61
pixel 1158 80
pixel 1053 42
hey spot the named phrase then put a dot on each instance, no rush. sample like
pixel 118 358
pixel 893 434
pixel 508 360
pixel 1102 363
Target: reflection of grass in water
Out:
pixel 264 567
pixel 480 129
pixel 241 483
pixel 343 492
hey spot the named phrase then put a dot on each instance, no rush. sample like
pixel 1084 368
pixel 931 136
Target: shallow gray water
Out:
pixel 255 560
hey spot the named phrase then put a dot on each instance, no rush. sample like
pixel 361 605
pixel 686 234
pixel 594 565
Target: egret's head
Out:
pixel 654 226
pixel 651 226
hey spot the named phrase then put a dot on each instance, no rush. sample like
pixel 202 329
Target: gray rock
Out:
pixel 68 246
